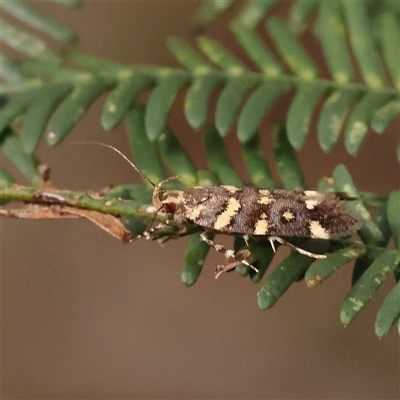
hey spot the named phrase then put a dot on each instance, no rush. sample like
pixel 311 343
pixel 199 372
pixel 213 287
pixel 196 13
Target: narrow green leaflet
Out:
pixel 16 106
pixel 25 43
pixel 300 111
pixel 97 64
pixel 362 42
pixel 144 151
pixel 360 119
pixel 382 222
pixel 263 254
pixel 43 23
pixel 9 71
pixel 256 164
pixel 398 151
pixel 187 57
pixel 197 96
pixel 360 266
pixel 69 3
pixel 209 10
pixel 291 50
pixel 332 117
pixel 389 312
pixel 23 161
pixel 254 11
pixel 39 112
pixel 369 231
pixel 299 13
pixel 86 91
pixel 175 156
pixel 220 56
pixel 161 100
pixel 368 284
pixel 195 255
pixel 284 275
pixel 389 35
pixel 229 101
pixel 393 215
pixel 382 117
pixel 206 178
pixel 218 160
pixel 120 98
pixel 256 107
pixel 320 270
pixel 332 33
pixel 288 166
pixel 256 49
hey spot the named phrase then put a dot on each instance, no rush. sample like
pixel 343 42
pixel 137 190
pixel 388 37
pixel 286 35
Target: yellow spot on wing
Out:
pixel 261 227
pixel 318 231
pixel 224 219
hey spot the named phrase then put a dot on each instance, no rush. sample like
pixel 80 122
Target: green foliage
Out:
pixel 45 96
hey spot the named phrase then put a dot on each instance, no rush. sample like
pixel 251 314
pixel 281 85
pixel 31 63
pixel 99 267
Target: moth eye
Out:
pixel 169 208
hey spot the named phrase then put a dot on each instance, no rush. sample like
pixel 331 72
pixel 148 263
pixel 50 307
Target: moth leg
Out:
pixel 292 246
pixel 233 258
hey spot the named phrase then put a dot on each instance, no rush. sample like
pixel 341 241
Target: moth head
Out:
pixel 166 200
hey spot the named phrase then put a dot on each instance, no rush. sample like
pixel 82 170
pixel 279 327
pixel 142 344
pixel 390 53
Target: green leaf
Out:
pixel 22 42
pixel 209 10
pixel 320 270
pixel 197 96
pixel 189 58
pixel 332 33
pixel 332 117
pixel 393 214
pixel 195 255
pixel 369 231
pixel 389 35
pixel 9 71
pixel 360 118
pixel 283 276
pixel 256 165
pixel 385 115
pixel 16 106
pixel 389 312
pixel 262 253
pixel 300 111
pixel 86 91
pixel 362 42
pixel 368 284
pixel 45 24
pixel 39 112
pixel 257 105
pixel 161 100
pixel 218 160
pixel 229 101
pixel 256 49
pixel 288 166
pixel 120 98
pixel 145 152
pixel 24 162
pixel 175 156
pixel 69 3
pixel 220 56
pixel 254 11
pixel 291 50
pixel 299 13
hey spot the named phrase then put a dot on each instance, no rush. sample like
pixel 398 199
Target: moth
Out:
pixel 252 212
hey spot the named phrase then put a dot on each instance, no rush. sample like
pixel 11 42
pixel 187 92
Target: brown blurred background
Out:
pixel 84 316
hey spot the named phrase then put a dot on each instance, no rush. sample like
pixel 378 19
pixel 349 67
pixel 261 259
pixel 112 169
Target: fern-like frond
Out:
pixel 43 96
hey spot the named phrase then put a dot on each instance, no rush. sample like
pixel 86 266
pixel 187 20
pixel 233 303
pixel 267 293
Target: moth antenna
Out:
pixel 123 156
